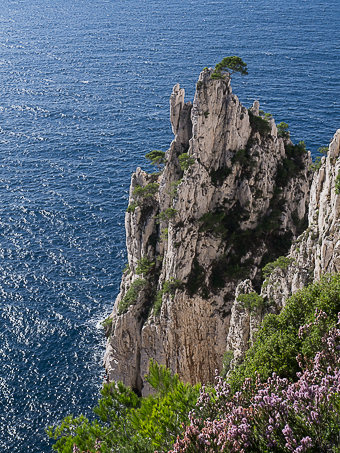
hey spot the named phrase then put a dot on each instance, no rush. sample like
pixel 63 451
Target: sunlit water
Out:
pixel 84 95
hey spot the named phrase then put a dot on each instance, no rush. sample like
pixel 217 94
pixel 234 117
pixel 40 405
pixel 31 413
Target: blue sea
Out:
pixel 84 94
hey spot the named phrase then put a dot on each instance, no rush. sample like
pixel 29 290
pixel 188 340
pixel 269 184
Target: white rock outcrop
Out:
pixel 233 195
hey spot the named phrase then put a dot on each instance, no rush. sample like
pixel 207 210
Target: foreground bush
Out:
pixel 276 415
pixel 284 397
pixel 126 423
pixel 278 343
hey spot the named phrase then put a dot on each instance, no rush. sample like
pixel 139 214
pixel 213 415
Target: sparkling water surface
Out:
pixel 84 94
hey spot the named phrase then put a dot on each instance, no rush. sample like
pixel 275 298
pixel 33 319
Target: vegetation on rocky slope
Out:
pixel 283 397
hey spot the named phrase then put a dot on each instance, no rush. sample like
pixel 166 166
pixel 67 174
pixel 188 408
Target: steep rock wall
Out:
pixel 314 253
pixel 232 196
pixel 317 250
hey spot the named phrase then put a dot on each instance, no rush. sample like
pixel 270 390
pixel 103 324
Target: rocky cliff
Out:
pixel 233 196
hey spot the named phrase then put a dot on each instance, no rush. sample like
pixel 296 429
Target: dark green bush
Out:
pixel 251 301
pixel 277 342
pixel 259 124
pixel 337 184
pixel 169 287
pixel 131 208
pixel 219 176
pixel 144 266
pixel 185 161
pixel 156 157
pixel 292 164
pixel 147 191
pixel 282 130
pixel 241 156
pixel 282 262
pixel 131 295
pixel 107 323
pixel 214 222
pixel 167 214
pixel 229 65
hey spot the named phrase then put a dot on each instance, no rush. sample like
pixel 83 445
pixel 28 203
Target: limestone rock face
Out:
pixel 233 195
pixel 317 250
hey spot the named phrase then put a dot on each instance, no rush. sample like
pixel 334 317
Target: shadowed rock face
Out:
pixel 317 250
pixel 232 196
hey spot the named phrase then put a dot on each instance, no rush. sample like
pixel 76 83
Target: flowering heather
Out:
pixel 276 415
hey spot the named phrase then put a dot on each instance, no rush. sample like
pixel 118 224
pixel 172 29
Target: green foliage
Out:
pixel 147 191
pixel 282 262
pixel 337 184
pixel 185 161
pixel 223 223
pixel 227 358
pixel 159 417
pixel 229 65
pixel 259 124
pixel 251 301
pixel 156 157
pixel 111 426
pixel 131 295
pixel 322 150
pixel 144 266
pixel 167 214
pixel 206 114
pixel 107 323
pixel 277 342
pixel 164 233
pixel 126 268
pixel 316 164
pixel 199 85
pixel 282 130
pixel 125 423
pixel 132 206
pixel 169 287
pixel 268 116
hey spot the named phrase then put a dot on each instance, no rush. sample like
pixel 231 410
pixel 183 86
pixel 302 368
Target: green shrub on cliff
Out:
pixel 229 65
pixel 144 266
pixel 131 295
pixel 156 157
pixel 278 343
pixel 337 184
pixel 169 287
pixel 282 262
pixel 282 130
pixel 147 191
pixel 185 161
pixel 251 301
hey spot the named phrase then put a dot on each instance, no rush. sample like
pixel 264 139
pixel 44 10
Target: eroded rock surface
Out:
pixel 233 196
pixel 317 250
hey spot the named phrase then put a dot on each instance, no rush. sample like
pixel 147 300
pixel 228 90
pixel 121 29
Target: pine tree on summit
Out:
pixel 229 65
